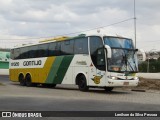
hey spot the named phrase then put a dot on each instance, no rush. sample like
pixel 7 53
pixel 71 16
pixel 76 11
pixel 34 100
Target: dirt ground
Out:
pixel 149 84
pixel 146 85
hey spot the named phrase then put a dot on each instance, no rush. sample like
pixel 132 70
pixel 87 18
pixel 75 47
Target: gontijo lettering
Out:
pixel 32 63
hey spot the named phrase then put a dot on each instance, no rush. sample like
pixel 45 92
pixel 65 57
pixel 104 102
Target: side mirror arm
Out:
pixel 109 51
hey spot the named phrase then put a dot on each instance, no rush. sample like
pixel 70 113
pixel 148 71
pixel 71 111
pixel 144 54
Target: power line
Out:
pixel 151 41
pixel 74 32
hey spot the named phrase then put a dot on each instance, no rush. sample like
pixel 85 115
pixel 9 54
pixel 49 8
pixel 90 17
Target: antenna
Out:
pixel 135 34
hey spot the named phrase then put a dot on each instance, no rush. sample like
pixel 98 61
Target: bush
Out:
pixel 154 66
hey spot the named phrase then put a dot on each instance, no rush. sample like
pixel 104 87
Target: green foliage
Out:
pixel 154 66
pixel 143 67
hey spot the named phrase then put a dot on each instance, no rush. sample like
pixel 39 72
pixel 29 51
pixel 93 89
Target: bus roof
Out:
pixel 62 38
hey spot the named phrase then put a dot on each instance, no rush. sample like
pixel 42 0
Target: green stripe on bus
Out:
pixel 59 69
pixel 53 71
pixel 63 69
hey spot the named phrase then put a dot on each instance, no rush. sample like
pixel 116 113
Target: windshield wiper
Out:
pixel 125 59
pixel 130 65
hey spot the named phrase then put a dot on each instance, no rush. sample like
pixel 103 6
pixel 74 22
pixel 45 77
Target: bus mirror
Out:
pixel 109 52
pixel 141 55
pixel 136 50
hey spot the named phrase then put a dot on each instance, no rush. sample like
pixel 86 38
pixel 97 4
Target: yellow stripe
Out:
pixel 39 75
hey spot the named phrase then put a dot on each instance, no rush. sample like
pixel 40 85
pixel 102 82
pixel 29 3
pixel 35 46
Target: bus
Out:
pixel 85 60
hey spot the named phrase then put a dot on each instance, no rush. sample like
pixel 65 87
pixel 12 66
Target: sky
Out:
pixel 28 21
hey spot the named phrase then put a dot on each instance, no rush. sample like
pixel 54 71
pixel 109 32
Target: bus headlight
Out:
pixel 112 77
pixel 136 78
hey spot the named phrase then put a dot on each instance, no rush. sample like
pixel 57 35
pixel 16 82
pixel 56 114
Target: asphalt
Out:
pixel 14 97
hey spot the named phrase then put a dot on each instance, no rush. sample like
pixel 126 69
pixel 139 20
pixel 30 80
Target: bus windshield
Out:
pixel 123 55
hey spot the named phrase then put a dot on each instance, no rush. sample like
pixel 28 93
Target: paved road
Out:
pixel 69 98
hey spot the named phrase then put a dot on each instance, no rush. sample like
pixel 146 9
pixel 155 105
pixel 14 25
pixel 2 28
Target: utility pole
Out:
pixel 135 31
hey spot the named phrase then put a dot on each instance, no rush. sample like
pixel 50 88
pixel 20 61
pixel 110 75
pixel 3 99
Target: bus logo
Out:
pixel 96 79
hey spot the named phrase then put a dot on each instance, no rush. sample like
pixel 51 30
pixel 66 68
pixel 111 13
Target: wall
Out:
pixel 149 75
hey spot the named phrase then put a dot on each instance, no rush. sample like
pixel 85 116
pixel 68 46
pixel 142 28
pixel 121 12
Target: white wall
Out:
pixel 149 75
pixel 4 71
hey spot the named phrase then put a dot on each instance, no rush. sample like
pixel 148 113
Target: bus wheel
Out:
pixel 82 84
pixel 22 80
pixel 28 81
pixel 108 89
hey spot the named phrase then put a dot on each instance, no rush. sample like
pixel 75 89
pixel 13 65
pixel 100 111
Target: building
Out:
pixel 4 61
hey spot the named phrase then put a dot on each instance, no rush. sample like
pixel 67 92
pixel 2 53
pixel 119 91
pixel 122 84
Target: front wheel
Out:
pixel 108 89
pixel 82 83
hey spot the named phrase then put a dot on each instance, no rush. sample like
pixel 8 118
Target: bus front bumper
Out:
pixel 121 83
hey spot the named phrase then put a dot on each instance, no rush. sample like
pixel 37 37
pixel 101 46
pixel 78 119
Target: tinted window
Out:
pixel 17 53
pixel 81 46
pixel 24 52
pixel 33 51
pixel 52 49
pixel 67 47
pixel 43 50
pixel 12 54
pixel 57 51
pixel 100 59
pixel 97 52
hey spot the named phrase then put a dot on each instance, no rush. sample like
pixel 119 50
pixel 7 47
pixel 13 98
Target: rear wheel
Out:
pixel 28 81
pixel 108 89
pixel 82 83
pixel 22 80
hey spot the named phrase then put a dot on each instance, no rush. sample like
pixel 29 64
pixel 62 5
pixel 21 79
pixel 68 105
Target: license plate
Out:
pixel 126 83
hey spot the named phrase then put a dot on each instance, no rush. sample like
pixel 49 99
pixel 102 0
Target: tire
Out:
pixel 22 80
pixel 28 81
pixel 108 89
pixel 82 84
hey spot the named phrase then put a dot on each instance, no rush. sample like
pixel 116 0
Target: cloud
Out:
pixel 42 18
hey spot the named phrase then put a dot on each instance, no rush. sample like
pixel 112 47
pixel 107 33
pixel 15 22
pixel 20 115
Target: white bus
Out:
pixel 85 60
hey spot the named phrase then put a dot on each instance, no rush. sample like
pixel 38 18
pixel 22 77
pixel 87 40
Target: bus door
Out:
pixel 97 66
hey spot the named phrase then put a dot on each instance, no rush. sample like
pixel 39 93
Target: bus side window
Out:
pixel 24 53
pixel 67 47
pixel 51 49
pixel 17 53
pixel 43 50
pixel 81 46
pixel 57 50
pixel 97 55
pixel 33 51
pixel 12 54
pixel 101 58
